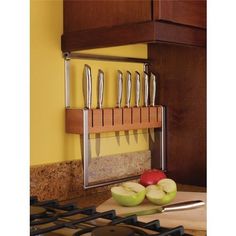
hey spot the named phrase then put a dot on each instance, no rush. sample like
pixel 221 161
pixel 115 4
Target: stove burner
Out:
pixel 37 211
pixel 117 231
pixel 52 218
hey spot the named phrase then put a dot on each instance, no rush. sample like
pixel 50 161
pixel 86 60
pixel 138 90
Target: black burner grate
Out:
pixel 52 215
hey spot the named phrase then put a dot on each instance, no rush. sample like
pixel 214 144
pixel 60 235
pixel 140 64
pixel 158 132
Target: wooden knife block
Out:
pixel 113 119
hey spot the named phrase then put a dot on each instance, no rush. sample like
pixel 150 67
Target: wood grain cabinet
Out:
pixel 84 15
pixel 104 23
pixel 186 12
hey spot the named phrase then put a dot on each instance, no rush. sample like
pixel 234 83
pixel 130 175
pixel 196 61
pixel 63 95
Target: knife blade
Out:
pixel 167 208
pixel 137 98
pixel 128 98
pixel 87 92
pixel 100 88
pixel 152 101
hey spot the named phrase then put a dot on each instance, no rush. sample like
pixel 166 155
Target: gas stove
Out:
pixel 50 218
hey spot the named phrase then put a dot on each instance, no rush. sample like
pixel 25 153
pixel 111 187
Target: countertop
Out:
pixel 98 198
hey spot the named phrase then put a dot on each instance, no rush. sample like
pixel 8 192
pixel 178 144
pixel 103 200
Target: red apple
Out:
pixel 151 177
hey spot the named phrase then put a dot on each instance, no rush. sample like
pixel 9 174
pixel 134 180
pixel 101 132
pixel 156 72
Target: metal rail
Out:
pixel 76 55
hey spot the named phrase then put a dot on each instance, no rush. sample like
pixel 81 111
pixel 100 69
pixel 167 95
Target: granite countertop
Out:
pixel 98 198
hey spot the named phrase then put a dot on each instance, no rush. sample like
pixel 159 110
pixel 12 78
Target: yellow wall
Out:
pixel 49 142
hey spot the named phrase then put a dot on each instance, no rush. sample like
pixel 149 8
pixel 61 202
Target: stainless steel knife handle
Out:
pixel 100 88
pixel 146 89
pixel 183 206
pixel 128 89
pixel 137 93
pixel 120 88
pixel 87 86
pixel 152 89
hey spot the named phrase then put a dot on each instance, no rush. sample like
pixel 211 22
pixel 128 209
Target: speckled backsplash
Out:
pixel 64 180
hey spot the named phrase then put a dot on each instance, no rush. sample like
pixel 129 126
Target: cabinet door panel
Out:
pixel 187 12
pixel 181 74
pixel 87 14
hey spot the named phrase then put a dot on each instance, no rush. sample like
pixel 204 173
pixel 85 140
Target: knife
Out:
pixel 128 89
pixel 145 89
pixel 145 96
pixel 119 98
pixel 137 88
pixel 100 92
pixel 152 89
pixel 87 91
pixel 128 98
pixel 137 98
pixel 87 86
pixel 152 101
pixel 167 208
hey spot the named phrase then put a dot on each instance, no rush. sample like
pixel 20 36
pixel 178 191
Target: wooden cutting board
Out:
pixel 191 219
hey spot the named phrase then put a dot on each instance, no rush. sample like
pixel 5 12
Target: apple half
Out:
pixel 128 194
pixel 162 193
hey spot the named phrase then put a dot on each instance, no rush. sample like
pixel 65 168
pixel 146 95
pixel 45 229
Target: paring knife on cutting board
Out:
pixel 128 98
pixel 167 208
pixel 137 98
pixel 119 98
pixel 152 101
pixel 100 91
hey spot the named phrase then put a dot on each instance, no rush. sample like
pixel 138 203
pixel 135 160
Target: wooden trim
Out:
pixel 107 37
pixel 113 119
pixel 174 33
pixel 147 32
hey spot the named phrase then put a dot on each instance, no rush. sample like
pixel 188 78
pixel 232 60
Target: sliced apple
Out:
pixel 128 194
pixel 162 193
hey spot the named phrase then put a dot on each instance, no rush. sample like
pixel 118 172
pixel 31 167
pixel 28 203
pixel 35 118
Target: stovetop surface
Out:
pixel 50 218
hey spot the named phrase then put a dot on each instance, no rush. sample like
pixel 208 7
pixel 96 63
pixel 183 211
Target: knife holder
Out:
pixel 84 121
pixel 113 119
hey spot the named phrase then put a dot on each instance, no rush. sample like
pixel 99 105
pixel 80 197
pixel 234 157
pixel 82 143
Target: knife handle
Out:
pixel 128 89
pixel 137 94
pixel 120 88
pixel 152 89
pixel 183 206
pixel 146 89
pixel 87 86
pixel 100 87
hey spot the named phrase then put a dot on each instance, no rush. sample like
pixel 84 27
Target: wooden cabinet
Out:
pixel 186 12
pixel 181 74
pixel 105 23
pixel 83 14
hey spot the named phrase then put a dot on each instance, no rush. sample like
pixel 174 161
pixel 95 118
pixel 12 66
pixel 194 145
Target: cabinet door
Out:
pixel 84 14
pixel 181 74
pixel 187 12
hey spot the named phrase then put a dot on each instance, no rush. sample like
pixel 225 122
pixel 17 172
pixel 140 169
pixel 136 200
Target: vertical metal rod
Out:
pixel 85 147
pixel 67 81
pixel 162 139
